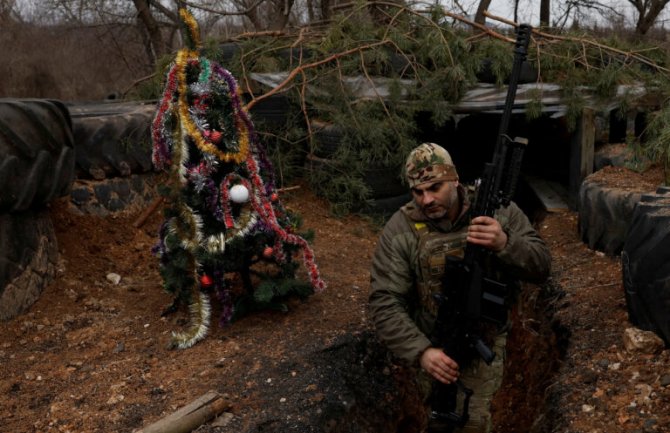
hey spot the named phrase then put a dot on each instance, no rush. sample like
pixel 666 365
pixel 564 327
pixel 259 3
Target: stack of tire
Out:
pixel 645 264
pixel 605 214
pixel 37 162
pixel 606 211
pixel 97 153
pixel 387 191
pixel 113 143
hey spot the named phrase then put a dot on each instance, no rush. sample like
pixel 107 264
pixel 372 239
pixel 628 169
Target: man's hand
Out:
pixel 439 365
pixel 488 233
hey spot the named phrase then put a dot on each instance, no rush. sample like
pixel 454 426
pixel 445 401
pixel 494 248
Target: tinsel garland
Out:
pixel 161 149
pixel 265 208
pixel 176 83
pixel 192 34
pixel 201 309
pixel 191 128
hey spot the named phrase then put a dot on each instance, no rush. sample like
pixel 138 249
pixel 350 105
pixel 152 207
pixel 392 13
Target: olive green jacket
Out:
pixel 401 322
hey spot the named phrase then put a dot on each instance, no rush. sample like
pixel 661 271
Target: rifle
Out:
pixel 469 298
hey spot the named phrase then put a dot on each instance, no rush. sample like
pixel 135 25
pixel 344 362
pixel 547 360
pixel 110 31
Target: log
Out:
pixel 191 416
pixel 139 222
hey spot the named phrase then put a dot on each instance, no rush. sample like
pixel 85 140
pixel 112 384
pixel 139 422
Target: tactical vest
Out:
pixel 433 249
pixel 434 246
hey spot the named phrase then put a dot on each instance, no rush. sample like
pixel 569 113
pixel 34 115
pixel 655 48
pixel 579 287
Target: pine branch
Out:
pixel 585 42
pixel 302 68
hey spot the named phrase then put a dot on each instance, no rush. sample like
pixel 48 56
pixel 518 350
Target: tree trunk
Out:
pixel 483 6
pixel 516 11
pixel 252 16
pixel 282 13
pixel 325 9
pixel 156 46
pixel 648 13
pixel 6 11
pixel 310 11
pixel 545 7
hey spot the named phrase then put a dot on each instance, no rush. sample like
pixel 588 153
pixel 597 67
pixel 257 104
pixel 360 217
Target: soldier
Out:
pixel 408 266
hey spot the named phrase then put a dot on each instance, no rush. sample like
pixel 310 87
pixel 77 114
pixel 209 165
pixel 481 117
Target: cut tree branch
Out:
pixel 191 416
pixel 584 41
pixel 302 68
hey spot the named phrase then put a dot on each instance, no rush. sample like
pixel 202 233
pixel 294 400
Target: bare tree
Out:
pixel 262 14
pixel 281 9
pixel 648 11
pixel 156 45
pixel 7 11
pixel 325 9
pixel 545 8
pixel 480 18
pixel 584 10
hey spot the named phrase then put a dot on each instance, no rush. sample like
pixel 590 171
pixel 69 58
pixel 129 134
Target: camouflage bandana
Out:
pixel 428 163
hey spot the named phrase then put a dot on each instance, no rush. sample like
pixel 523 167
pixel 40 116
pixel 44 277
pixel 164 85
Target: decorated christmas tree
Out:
pixel 223 218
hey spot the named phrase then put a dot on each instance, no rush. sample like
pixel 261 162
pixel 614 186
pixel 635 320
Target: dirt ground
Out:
pixel 92 356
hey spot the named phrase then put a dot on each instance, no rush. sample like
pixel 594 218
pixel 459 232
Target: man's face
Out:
pixel 437 199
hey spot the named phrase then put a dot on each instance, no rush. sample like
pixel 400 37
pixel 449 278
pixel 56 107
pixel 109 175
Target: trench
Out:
pixel 537 342
pixel 389 402
pixel 367 392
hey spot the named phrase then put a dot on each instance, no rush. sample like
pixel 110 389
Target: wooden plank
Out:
pixel 191 416
pixel 551 194
pixel 582 150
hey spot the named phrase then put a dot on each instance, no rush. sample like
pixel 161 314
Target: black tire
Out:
pixel 645 261
pixel 326 137
pixel 386 207
pixel 486 75
pixel 384 182
pixel 112 139
pixel 605 215
pixel 295 56
pixel 399 64
pixel 227 53
pixel 28 257
pixel 271 113
pixel 108 196
pixel 36 153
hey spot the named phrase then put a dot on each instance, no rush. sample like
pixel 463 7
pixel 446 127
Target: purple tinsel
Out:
pixel 264 163
pixel 161 149
pixel 213 199
pixel 262 226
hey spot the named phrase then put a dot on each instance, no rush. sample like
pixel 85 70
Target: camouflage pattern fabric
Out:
pixel 429 162
pixel 484 379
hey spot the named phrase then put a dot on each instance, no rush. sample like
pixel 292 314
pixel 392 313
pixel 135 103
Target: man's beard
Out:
pixel 435 212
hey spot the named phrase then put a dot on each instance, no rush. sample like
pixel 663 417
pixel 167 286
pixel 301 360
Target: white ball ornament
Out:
pixel 239 194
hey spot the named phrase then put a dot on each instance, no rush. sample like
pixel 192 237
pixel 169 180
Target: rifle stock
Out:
pixel 468 297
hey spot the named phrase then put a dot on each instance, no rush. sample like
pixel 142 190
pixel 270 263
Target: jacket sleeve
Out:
pixel 526 255
pixel 393 295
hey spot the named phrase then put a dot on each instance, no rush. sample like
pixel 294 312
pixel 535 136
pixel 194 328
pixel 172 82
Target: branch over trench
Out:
pixel 541 39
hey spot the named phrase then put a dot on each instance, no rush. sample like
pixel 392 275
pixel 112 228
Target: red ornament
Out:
pixel 215 136
pixel 274 196
pixel 267 252
pixel 206 281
